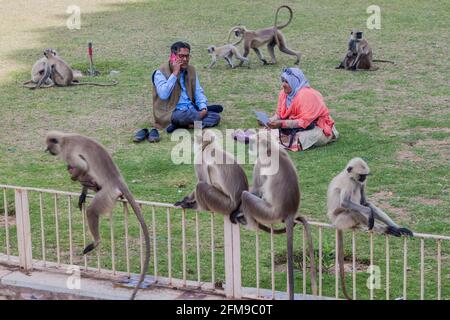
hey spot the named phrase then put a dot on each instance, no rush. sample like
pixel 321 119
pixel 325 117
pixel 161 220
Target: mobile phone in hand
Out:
pixel 173 57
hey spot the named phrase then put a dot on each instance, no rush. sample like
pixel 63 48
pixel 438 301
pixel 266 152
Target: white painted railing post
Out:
pixel 232 239
pixel 23 229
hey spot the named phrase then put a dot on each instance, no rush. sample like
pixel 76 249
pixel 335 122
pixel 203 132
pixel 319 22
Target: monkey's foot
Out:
pixel 238 217
pixel 393 231
pixel 406 232
pixel 89 248
pixel 185 204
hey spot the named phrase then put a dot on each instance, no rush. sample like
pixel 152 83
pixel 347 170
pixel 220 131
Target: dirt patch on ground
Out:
pixel 440 149
pixel 429 202
pixel 432 130
pixel 361 265
pixel 348 267
pixel 381 200
pixel 438 146
pixel 408 155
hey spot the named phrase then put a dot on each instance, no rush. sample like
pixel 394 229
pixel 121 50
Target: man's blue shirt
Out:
pixel 164 88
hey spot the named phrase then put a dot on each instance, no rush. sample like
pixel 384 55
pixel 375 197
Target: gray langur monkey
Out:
pixel 90 163
pixel 226 51
pixel 271 36
pixel 39 70
pixel 60 73
pixel 221 180
pixel 348 208
pixel 275 198
pixel 359 54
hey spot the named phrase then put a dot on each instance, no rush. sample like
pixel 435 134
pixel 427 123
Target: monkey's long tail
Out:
pixel 387 61
pixel 32 85
pixel 95 84
pixel 137 210
pixel 235 29
pixel 312 261
pixel 268 230
pixel 340 253
pixel 310 245
pixel 276 17
pixel 276 28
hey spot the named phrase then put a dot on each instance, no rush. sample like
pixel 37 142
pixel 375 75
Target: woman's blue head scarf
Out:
pixel 296 80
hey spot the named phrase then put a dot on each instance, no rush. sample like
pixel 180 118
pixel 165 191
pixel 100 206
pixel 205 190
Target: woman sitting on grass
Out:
pixel 302 116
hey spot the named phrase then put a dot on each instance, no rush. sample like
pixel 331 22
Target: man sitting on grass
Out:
pixel 178 98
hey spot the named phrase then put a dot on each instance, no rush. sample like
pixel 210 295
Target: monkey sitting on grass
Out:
pixel 359 55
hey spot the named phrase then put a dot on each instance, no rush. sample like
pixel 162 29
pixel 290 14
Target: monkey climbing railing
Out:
pixel 46 233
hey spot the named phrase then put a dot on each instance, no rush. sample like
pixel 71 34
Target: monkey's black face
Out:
pixel 362 177
pixel 49 53
pixel 53 146
pixel 358 177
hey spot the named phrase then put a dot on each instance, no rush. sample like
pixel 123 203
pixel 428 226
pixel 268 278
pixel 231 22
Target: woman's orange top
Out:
pixel 307 106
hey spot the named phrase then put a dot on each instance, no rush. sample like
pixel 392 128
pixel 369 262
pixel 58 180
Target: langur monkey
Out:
pixel 348 208
pixel 221 180
pixel 359 54
pixel 227 51
pixel 272 36
pixel 39 70
pixel 275 198
pixel 90 163
pixel 60 73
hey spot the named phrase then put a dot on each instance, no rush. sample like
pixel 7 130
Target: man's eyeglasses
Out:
pixel 184 56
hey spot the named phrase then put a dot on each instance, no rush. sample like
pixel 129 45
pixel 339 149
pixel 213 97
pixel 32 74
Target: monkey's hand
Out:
pixel 371 221
pixel 81 200
pixel 75 172
pixel 346 202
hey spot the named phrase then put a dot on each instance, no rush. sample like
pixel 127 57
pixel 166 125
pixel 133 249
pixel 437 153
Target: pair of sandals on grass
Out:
pixel 153 134
pixel 145 134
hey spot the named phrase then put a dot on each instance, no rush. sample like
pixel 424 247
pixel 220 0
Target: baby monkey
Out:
pixel 227 51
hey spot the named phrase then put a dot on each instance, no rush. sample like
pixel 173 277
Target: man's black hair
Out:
pixel 178 45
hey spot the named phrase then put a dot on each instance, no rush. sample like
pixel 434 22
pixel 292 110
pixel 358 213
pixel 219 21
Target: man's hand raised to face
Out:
pixel 176 67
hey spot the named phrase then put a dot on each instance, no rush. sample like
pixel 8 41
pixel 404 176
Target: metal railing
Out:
pixel 184 255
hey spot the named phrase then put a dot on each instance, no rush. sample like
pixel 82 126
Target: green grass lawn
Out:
pixel 397 118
